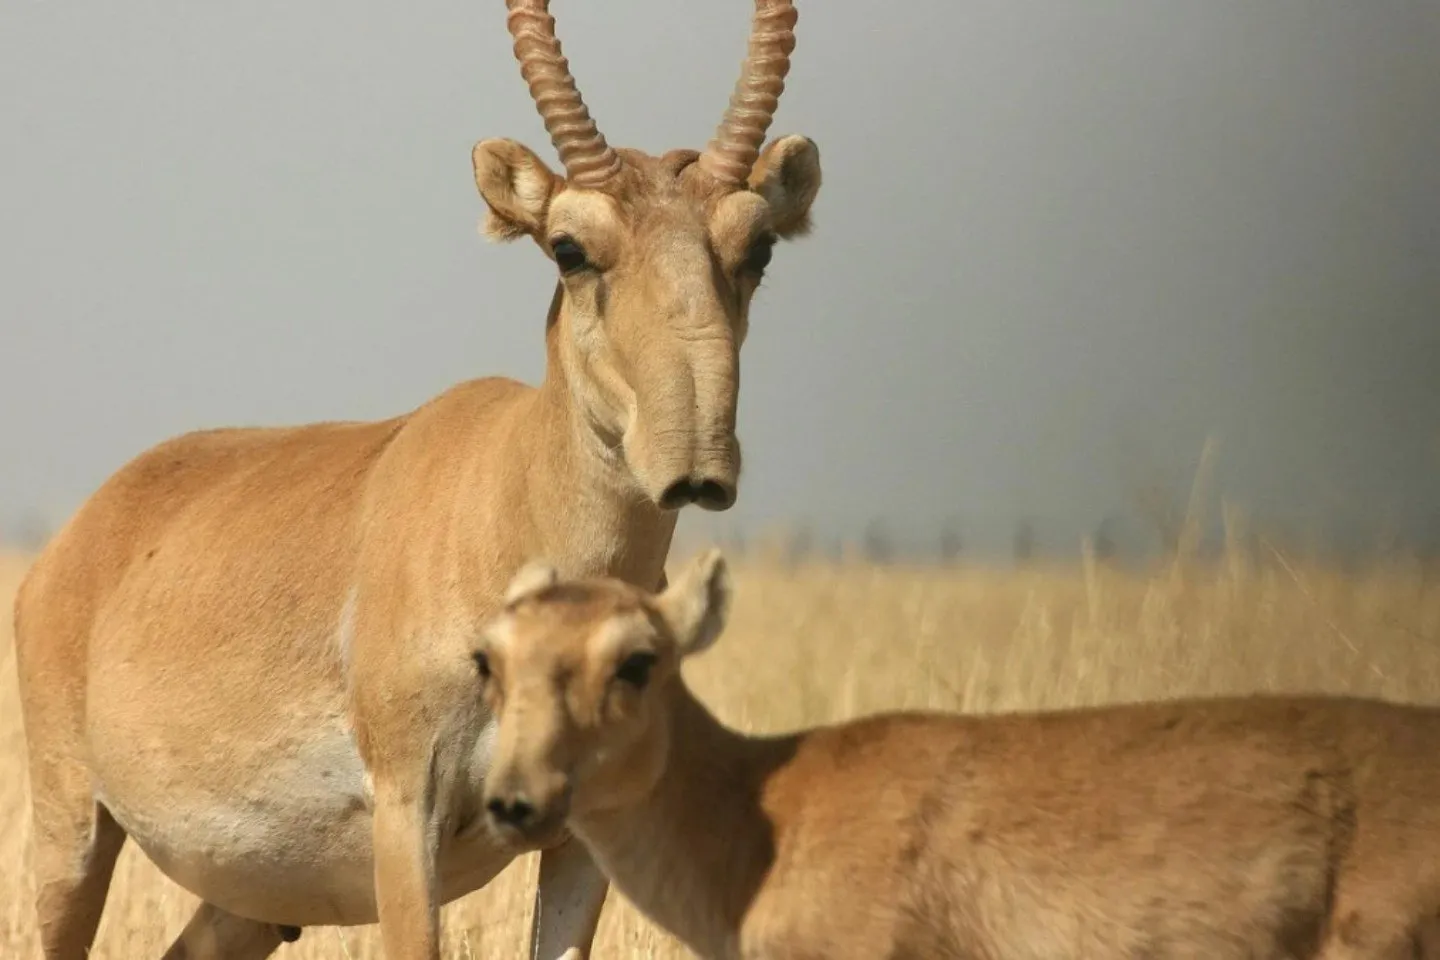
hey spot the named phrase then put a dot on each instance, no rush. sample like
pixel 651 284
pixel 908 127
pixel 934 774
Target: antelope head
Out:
pixel 580 674
pixel 658 257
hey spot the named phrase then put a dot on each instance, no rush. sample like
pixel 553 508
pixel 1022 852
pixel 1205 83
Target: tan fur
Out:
pixel 248 651
pixel 1234 828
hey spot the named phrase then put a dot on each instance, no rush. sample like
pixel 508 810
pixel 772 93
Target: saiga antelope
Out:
pixel 1227 829
pixel 248 651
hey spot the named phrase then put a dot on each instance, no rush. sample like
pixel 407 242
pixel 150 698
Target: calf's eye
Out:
pixel 635 669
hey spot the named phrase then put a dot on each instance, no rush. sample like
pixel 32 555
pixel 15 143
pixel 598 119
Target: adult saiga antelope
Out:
pixel 248 651
pixel 1227 829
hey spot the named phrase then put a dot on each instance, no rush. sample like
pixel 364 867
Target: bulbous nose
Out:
pixel 511 811
pixel 708 494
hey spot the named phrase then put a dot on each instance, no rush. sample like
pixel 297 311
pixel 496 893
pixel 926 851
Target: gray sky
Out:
pixel 1058 243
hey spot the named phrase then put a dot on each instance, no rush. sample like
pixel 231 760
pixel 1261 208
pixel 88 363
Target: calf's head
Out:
pixel 582 678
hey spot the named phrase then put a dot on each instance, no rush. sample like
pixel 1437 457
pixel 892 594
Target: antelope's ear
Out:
pixel 787 175
pixel 516 186
pixel 530 579
pixel 697 604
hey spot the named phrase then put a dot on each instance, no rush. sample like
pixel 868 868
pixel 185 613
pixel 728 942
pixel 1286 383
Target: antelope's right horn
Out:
pixel 589 161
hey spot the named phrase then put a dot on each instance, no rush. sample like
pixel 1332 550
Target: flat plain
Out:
pixel 816 642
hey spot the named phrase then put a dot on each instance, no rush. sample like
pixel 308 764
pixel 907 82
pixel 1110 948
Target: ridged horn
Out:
pixel 589 161
pixel 732 153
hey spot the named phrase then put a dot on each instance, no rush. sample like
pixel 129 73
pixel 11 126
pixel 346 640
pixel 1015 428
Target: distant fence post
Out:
pixel 1023 543
pixel 952 542
pixel 878 546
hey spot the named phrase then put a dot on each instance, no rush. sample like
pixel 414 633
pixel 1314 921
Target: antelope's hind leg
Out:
pixel 76 845
pixel 213 934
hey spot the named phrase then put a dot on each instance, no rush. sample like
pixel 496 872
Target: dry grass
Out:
pixel 817 644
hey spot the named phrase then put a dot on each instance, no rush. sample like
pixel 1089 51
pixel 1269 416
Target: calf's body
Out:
pixel 1237 828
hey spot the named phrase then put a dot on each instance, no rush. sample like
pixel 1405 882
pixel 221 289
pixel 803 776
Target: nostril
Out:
pixel 513 812
pixel 679 494
pixel 711 494
pixel 715 494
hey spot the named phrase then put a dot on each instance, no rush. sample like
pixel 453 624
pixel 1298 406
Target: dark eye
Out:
pixel 482 664
pixel 635 670
pixel 569 255
pixel 759 256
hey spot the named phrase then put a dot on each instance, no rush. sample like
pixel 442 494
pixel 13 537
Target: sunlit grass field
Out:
pixel 815 643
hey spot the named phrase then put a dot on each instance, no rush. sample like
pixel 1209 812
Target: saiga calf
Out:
pixel 1226 829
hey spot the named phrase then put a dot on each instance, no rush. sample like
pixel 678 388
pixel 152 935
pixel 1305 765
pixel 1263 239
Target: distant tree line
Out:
pixel 1113 540
pixel 1164 531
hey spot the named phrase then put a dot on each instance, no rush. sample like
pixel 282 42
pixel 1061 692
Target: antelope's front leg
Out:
pixel 405 894
pixel 568 901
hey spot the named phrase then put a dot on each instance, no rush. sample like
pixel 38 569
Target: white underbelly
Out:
pixel 286 840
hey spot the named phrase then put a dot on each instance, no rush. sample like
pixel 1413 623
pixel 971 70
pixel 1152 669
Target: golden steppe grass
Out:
pixel 818 643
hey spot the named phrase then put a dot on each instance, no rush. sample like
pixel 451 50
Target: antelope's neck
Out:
pixel 587 512
pixel 693 853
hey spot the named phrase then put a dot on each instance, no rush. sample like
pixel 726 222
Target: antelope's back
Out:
pixel 204 541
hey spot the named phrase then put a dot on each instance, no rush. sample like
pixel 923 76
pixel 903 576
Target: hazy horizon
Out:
pixel 1057 246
